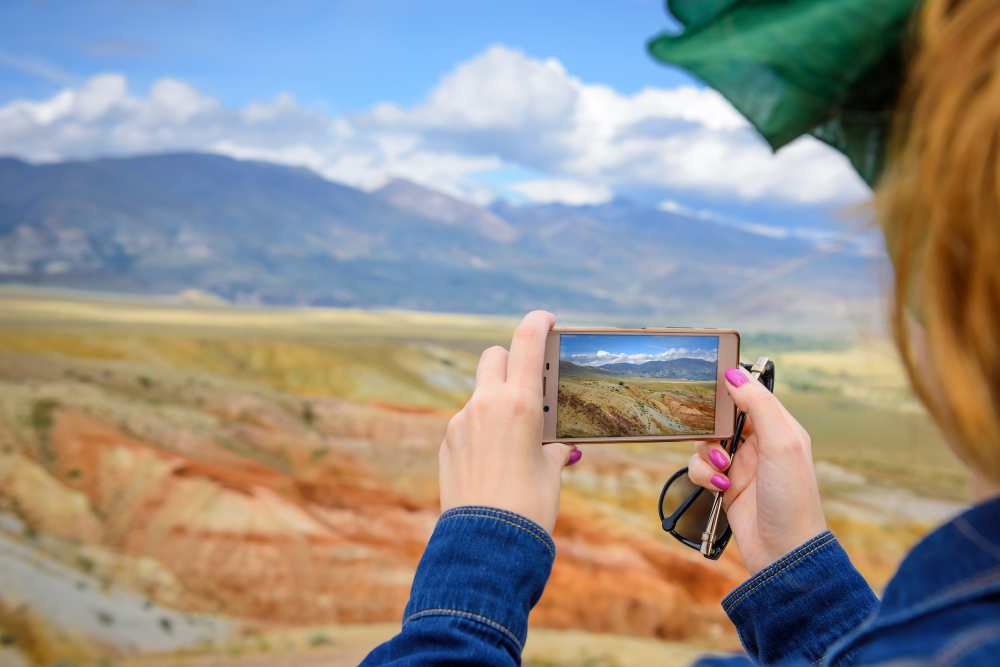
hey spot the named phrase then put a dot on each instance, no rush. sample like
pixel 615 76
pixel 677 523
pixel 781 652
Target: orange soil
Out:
pixel 328 540
pixel 606 409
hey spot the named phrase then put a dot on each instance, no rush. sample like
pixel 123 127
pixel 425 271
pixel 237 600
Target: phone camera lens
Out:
pixel 545 409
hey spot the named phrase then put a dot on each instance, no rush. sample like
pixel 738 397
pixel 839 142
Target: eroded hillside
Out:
pixel 206 492
pixel 179 480
pixel 611 405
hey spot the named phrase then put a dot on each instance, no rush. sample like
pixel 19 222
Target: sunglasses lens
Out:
pixel 692 523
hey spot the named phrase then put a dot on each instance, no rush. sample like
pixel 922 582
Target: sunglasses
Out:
pixel 694 515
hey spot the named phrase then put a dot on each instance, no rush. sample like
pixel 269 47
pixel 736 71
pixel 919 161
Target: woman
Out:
pixel 939 202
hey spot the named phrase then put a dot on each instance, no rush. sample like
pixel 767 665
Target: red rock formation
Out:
pixel 251 541
pixel 609 582
pixel 328 540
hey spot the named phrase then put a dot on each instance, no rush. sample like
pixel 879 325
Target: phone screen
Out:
pixel 636 385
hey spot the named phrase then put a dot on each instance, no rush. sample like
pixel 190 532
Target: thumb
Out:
pixel 561 455
pixel 760 405
pixel 742 387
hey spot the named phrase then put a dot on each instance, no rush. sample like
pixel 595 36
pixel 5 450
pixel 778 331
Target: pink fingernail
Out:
pixel 718 459
pixel 574 457
pixel 735 377
pixel 721 482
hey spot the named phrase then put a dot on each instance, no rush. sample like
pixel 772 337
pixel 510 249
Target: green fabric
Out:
pixel 830 68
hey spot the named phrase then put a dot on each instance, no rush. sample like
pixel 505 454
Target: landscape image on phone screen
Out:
pixel 635 385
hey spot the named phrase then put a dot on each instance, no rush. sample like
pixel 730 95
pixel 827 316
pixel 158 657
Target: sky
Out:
pixel 600 350
pixel 535 101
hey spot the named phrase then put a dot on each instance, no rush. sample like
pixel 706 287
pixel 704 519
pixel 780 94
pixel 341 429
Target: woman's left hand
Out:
pixel 770 495
pixel 493 453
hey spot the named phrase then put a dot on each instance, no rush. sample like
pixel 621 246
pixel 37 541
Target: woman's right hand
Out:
pixel 770 494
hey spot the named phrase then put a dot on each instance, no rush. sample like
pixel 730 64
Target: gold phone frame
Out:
pixel 725 409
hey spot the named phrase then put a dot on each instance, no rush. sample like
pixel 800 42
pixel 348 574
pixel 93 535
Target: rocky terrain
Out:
pixel 214 485
pixel 255 506
pixel 612 405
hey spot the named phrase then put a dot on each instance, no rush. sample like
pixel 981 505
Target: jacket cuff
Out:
pixel 485 565
pixel 799 606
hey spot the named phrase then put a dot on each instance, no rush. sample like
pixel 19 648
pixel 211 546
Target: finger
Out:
pixel 492 367
pixel 703 474
pixel 789 419
pixel 562 455
pixel 527 350
pixel 761 406
pixel 715 455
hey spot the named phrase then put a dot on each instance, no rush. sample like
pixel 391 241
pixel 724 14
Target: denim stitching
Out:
pixel 825 538
pixel 962 587
pixel 977 538
pixel 510 523
pixel 877 623
pixel 496 510
pixel 531 525
pixel 826 535
pixel 822 537
pixel 764 581
pixel 520 520
pixel 483 619
pixel 946 597
pixel 514 515
pixel 486 508
pixel 966 643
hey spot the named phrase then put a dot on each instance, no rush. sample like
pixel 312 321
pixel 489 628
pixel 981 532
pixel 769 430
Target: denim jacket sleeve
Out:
pixel 483 570
pixel 798 607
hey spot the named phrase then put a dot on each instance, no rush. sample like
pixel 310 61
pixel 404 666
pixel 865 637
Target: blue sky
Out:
pixel 599 350
pixel 545 101
pixel 340 56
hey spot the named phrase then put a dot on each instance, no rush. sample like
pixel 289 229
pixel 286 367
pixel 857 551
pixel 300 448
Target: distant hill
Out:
pixel 436 206
pixel 253 232
pixel 568 369
pixel 675 369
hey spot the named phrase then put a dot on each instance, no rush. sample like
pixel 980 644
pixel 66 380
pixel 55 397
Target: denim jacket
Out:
pixel 484 569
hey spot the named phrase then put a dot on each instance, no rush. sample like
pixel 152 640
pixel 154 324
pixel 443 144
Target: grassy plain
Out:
pixel 403 358
pixel 850 394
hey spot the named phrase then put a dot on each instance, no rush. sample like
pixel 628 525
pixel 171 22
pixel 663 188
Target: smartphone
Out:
pixel 635 385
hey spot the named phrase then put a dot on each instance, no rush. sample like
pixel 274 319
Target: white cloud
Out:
pixel 181 102
pixel 603 357
pixel 501 109
pixel 565 191
pixel 500 89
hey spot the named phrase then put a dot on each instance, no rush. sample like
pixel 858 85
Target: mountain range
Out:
pixel 259 233
pixel 673 369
